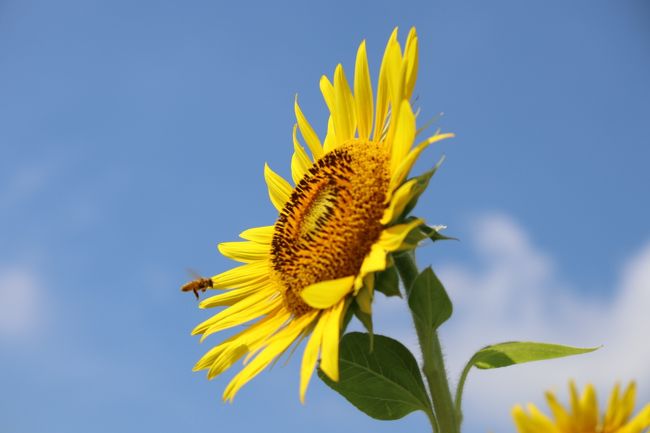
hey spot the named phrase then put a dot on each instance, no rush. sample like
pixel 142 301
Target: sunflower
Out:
pixel 335 230
pixel 584 416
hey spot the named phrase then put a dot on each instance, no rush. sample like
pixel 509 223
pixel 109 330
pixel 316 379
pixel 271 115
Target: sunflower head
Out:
pixel 583 416
pixel 338 223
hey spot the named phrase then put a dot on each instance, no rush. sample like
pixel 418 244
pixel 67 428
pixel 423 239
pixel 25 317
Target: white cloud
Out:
pixel 19 302
pixel 515 293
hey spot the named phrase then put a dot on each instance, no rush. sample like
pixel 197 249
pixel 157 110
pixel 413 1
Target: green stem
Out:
pixel 432 419
pixel 459 390
pixel 433 362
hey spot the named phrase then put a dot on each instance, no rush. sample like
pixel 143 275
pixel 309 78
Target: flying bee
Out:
pixel 201 284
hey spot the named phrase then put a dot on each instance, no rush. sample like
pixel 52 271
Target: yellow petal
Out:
pixel 300 162
pixel 310 357
pixel 241 275
pixel 363 93
pixel 395 74
pixel 395 79
pixel 392 238
pixel 374 261
pixel 277 345
pixel 330 347
pixel 405 166
pixel 589 407
pixel 639 423
pixel 232 296
pixel 411 59
pixel 522 421
pixel 251 306
pixel 627 403
pixel 256 347
pixel 209 358
pixel 404 136
pixel 229 356
pixel 344 116
pixel 330 142
pixel 261 361
pixel 365 295
pixel 230 319
pixel 261 235
pixel 612 408
pixel 278 320
pixel 576 410
pixel 398 202
pixel 435 138
pixel 325 294
pixel 541 422
pixel 260 330
pixel 382 90
pixel 536 422
pixel 245 252
pixel 308 133
pixel 562 417
pixel 279 189
pixel 327 90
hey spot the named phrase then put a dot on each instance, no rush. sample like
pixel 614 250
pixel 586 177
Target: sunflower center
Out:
pixel 331 220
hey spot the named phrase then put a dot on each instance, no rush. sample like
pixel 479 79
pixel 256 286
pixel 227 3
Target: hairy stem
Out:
pixel 433 362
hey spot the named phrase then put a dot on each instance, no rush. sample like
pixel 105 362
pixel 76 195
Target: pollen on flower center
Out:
pixel 331 219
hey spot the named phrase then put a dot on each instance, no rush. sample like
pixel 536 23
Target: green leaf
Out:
pixel 518 352
pixel 429 301
pixel 421 186
pixel 387 282
pixel 385 384
pixel 510 353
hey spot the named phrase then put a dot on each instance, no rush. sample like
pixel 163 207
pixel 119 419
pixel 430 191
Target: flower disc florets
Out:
pixel 331 220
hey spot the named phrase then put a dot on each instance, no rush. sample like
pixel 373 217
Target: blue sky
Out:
pixel 133 137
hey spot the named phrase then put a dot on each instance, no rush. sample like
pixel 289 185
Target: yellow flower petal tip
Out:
pixel 337 223
pixel 583 414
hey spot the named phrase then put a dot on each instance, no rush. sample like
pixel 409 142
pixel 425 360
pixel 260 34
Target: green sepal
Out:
pixel 387 282
pixel 366 321
pixel 423 232
pixel 385 384
pixel 433 233
pixel 347 316
pixel 428 300
pixel 422 182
